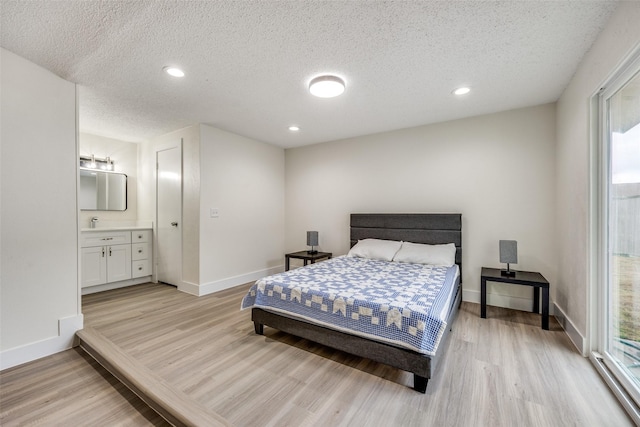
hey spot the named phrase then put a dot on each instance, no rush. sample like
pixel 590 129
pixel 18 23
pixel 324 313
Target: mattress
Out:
pixel 402 304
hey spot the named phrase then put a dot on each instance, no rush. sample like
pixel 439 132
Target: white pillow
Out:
pixel 375 249
pixel 427 254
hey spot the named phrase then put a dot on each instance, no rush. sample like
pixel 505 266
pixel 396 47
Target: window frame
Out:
pixel 599 207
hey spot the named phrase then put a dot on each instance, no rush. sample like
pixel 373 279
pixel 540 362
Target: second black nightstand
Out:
pixel 528 278
pixel 306 256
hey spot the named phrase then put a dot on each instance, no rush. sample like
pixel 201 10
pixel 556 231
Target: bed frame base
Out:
pixel 419 365
pixel 416 228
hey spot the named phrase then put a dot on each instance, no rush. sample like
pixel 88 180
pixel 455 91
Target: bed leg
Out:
pixel 259 328
pixel 420 383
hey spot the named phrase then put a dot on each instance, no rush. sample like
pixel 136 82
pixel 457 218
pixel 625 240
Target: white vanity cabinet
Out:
pixel 106 257
pixel 141 253
pixel 116 258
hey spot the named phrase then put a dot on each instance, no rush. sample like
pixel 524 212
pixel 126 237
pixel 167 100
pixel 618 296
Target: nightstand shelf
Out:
pixel 527 278
pixel 306 256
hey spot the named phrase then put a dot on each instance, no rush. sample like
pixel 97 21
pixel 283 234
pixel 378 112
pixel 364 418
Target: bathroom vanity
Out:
pixel 115 257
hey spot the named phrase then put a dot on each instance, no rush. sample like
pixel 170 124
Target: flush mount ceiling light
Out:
pixel 294 128
pixel 326 86
pixel 461 91
pixel 173 71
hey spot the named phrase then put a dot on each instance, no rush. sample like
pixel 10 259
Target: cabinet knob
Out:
pixel 139 251
pixel 140 268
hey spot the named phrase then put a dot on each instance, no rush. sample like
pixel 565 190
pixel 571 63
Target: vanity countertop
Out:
pixel 119 228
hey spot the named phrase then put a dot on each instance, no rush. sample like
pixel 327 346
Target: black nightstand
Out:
pixel 528 278
pixel 306 256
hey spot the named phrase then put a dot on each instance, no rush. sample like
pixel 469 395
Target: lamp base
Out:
pixel 508 273
pixel 312 252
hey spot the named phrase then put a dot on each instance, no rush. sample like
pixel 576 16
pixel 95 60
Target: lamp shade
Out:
pixel 312 238
pixel 509 251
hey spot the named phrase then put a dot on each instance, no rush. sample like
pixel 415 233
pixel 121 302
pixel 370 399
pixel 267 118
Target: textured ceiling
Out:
pixel 248 63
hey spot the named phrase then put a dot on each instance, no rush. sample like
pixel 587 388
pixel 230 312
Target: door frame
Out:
pixel 156 149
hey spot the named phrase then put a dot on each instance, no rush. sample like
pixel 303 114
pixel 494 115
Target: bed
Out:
pixel 417 356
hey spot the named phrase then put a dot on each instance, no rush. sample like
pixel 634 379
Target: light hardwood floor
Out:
pixel 500 371
pixel 69 389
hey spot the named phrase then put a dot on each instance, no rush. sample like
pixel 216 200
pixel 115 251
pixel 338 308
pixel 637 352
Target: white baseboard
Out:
pixel 189 288
pixel 67 328
pixel 230 282
pixel 505 301
pixel 576 337
pixel 115 285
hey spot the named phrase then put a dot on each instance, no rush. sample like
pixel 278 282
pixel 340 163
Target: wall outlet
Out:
pixel 214 212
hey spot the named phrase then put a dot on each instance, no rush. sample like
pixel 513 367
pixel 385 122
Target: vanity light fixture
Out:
pixel 462 91
pixel 173 71
pixel 92 162
pixel 294 128
pixel 326 86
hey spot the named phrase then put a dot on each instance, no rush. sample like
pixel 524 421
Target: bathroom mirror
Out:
pixel 102 191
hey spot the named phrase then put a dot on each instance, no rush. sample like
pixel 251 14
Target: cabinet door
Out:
pixel 94 266
pixel 118 263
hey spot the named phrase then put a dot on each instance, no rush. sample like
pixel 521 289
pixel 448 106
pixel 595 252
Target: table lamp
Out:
pixel 312 240
pixel 508 255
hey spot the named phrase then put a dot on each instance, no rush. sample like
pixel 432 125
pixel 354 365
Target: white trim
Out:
pixel 505 301
pixel 67 328
pixel 115 285
pixel 570 328
pixel 189 288
pixel 598 260
pixel 593 231
pixel 78 225
pixel 230 282
pixel 618 390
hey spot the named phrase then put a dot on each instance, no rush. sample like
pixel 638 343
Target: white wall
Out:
pixel 497 170
pixel 241 177
pixel 619 37
pixel 125 157
pixel 244 179
pixel 40 293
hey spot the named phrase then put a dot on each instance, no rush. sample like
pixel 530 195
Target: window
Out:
pixel 619 229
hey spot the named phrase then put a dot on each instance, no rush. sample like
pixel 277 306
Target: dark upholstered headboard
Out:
pixel 433 229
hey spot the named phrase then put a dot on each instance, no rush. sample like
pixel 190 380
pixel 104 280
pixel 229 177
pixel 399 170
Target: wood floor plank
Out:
pixel 500 371
pixel 176 407
pixel 69 388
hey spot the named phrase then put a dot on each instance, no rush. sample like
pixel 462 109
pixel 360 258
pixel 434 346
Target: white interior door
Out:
pixel 169 215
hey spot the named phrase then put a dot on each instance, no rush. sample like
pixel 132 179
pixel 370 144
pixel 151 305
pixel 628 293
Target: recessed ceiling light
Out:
pixel 294 128
pixel 326 86
pixel 461 91
pixel 173 71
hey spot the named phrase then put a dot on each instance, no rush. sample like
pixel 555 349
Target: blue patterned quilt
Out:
pixel 398 303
